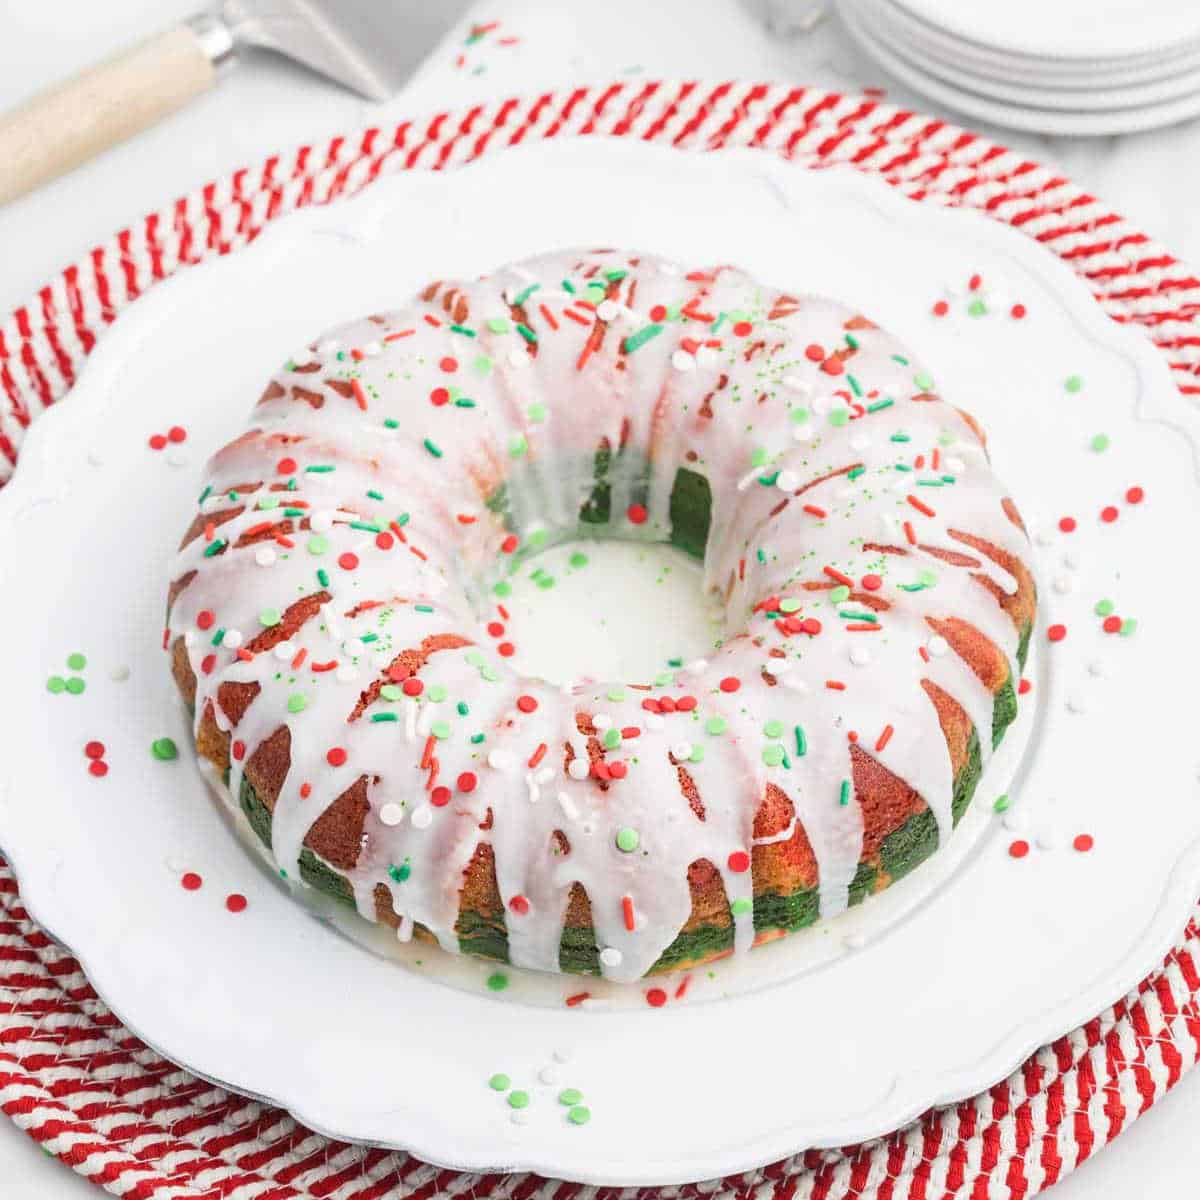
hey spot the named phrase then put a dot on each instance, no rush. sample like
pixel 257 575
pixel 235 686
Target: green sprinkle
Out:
pixel 213 548
pixel 76 661
pixel 760 554
pixel 536 413
pixel 880 405
pixel 436 692
pixel 499 1082
pixel 1104 608
pixel 628 839
pixel 790 604
pixel 204 495
pixel 636 340
pixel 293 512
pixel 839 593
pixel 923 380
pixel 323 577
pixel 900 359
pixel 855 386
pixel 902 467
pixel 440 730
pixel 851 341
pixel 463 329
pixel 391 423
pixel 769 480
pixel 697 754
pixel 772 755
pixel 527 333
pixel 579 1115
pixel 462 708
pixel 320 469
pixel 839 417
pixel 517 446
pixel 716 725
pixel 977 308
pixel 801 742
pixel 374 495
pixel 426 608
pixel 844 793
pixel 579 559
pixel 570 1096
pixel 773 729
pixel 56 684
pixel 391 691
pixel 1001 803
pixel 798 416
pixel 318 544
pixel 1128 627
pixel 497 981
pixel 297 702
pixel 612 738
pixel 741 905
pixel 1100 443
pixel 269 617
pixel 402 519
pixel 380 717
pixel 400 873
pixel 524 295
pixel 164 749
pixel 900 437
pixel 478 738
pixel 433 448
pixel 568 286
pixel 503 588
pixel 855 472
pixel 76 685
pixel 1073 383
pixel 268 502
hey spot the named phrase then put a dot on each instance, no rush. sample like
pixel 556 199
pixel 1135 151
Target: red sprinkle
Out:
pixel 1112 624
pixel 688 703
pixel 650 704
pixel 360 397
pixel 519 904
pixel 204 619
pixel 1084 842
pixel 98 767
pixel 1067 524
pixel 506 649
pixel 412 686
pixel 637 514
pixel 835 685
pixel 191 881
pixel 235 902
pixel 811 625
pixel 1135 495
pixel 439 797
pixel 618 769
pixel 495 629
pixel 286 466
pixel 1109 513
pixel 305 791
pixel 439 396
pixel 207 663
pixel 537 756
pixel 336 757
pixel 348 561
pixel 814 353
pixel 177 433
pixel 627 912
pixel 975 282
pixel 832 366
pixel 656 997
pixel 742 329
pixel 730 684
pixel 941 308
pixel 527 704
pixel 1056 633
pixel 467 781
pixel 449 365
pixel 384 540
pixel 239 750
pixel 657 313
pixel 1024 687
pixel 667 704
pixel 884 738
pixel 872 583
pixel 838 577
pixel 921 506
pixel 157 441
pixel 509 544
pixel 739 861
pixel 578 998
pixel 1019 848
pixel 1018 311
pixel 94 749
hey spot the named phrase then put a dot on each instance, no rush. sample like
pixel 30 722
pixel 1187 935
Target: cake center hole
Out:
pixel 607 610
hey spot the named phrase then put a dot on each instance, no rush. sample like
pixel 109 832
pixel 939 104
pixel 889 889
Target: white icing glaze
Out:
pixel 815 460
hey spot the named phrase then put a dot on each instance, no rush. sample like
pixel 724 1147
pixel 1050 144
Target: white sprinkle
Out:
pixel 328 346
pixel 787 481
pixel 425 721
pixel 682 750
pixel 321 521
pixel 793 681
pixel 422 818
pixel 94 458
pixel 371 349
pixel 265 556
pixel 796 384
pixel 1015 819
pixel 610 956
pixel 803 433
pixel 519 359
pixel 1098 667
pixel 707 356
pixel 544 775
pixel 189 638
pixel 821 404
pixel 602 721
pixel 410 720
pixel 119 674
pixel 567 804
pixel 777 667
pixel 346 673
pixel 681 360
pixel 284 651
pixel 391 814
pixel 578 768
pixel 561 1054
pixel 519 1116
pixel 654 721
pixel 1072 560
pixel 405 931
pixel 859 442
pixel 233 639
pixel 1050 838
pixel 1076 704
pixel 1064 584
pixel 177 458
pixel 860 656
pixel 549 1074
pixel 696 667
pixel 608 310
pixel 937 645
pixel 353 648
pixel 501 760
pixel 955 465
pixel 854 941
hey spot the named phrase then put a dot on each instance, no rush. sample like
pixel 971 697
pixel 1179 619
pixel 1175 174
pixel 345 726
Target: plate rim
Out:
pixel 1084 310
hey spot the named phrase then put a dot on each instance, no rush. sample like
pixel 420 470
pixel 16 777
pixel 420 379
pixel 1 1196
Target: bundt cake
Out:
pixel 329 612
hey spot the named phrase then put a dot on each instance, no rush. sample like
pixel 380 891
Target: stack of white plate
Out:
pixel 1052 66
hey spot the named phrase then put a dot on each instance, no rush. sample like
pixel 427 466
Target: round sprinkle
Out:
pixel 1135 495
pixel 1018 312
pixel 519 904
pixel 177 433
pixel 579 1115
pixel 497 981
pixel 336 757
pixel 1100 442
pixel 1067 524
pixel 716 725
pixel 1112 624
pixel 499 1082
pixel 76 661
pixel 347 561
pixel 164 749
pixel 157 441
pixel 467 781
pixel 391 814
pixel 730 684
pixel 1084 842
pixel 439 396
pixel 94 749
pixel 286 466
pixel 772 756
pixel 656 997
pixel 235 902
pixel 190 881
pixel 1104 607
pixel 1056 633
pixel 637 514
pixel 741 905
pixel 570 1096
pixel 527 704
pixel 440 730
pixel 628 839
pixel 318 544
pixel 872 583
pixel 98 767
pixel 204 619
pixel 269 617
pixel 75 685
pixel 739 861
pixel 56 684
pixel 1019 848
pixel 518 1099
pixel 1001 803
pixel 439 797
pixel 1109 513
pixel 941 308
pixel 1073 383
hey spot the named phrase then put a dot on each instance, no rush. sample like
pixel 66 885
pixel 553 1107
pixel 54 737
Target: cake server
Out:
pixel 369 46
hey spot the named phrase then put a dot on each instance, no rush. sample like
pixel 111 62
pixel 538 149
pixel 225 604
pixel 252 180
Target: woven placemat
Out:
pixel 96 1097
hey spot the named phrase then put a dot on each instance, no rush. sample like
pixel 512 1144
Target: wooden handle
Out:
pixel 60 128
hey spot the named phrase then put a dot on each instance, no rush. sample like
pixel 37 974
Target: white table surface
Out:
pixel 265 104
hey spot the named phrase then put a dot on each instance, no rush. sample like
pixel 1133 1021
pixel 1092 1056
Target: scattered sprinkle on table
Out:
pixel 164 749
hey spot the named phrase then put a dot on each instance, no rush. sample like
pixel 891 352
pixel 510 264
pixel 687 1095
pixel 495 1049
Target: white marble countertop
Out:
pixel 265 104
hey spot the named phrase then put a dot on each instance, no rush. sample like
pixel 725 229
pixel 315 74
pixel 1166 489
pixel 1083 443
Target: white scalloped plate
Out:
pixel 1006 955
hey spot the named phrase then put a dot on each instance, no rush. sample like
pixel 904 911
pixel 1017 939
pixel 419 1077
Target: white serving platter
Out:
pixel 916 1009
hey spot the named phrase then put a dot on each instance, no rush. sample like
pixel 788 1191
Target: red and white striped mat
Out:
pixel 112 1109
